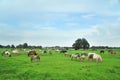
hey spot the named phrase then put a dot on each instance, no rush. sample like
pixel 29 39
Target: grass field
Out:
pixel 59 67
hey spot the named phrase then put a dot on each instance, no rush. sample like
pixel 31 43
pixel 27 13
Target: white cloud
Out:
pixel 59 22
pixel 102 34
pixel 82 6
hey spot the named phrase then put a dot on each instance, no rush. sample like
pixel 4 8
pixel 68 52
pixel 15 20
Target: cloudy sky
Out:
pixel 60 22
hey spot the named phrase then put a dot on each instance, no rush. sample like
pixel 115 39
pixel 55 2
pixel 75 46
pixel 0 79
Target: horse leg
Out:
pixel 38 58
pixel 31 59
pixel 2 54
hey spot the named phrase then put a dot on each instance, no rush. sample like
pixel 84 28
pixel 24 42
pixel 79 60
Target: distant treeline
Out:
pixel 25 45
pixel 103 47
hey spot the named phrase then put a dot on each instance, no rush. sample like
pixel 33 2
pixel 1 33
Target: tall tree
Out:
pixel 12 46
pixel 85 43
pixel 81 43
pixel 25 45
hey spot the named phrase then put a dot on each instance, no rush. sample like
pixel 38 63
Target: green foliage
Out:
pixel 81 43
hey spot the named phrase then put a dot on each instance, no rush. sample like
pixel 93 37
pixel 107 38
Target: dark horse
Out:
pixel 32 53
pixel 102 51
pixel 63 51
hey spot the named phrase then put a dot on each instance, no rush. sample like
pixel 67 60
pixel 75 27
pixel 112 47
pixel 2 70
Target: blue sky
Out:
pixel 60 22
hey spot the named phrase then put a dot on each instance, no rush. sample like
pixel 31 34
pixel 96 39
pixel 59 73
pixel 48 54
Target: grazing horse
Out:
pixel 15 51
pixel 44 52
pixel 50 51
pixel 75 56
pixel 102 51
pixel 32 52
pixel 83 56
pixel 6 53
pixel 63 51
pixel 67 54
pixel 35 57
pixel 111 52
pixel 57 50
pixel 92 56
pixel 84 53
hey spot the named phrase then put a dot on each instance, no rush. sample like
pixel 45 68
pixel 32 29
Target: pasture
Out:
pixel 59 67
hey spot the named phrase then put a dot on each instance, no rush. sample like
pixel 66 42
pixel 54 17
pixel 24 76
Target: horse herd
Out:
pixel 82 56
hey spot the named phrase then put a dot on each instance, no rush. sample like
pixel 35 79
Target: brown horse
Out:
pixel 35 57
pixel 32 53
pixel 111 52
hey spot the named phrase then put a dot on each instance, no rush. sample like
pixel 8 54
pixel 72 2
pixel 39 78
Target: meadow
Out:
pixel 59 67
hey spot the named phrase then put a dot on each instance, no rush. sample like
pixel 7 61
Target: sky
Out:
pixel 60 22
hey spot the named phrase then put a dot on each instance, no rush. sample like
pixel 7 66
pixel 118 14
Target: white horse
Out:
pixel 75 56
pixel 6 52
pixel 92 56
pixel 15 51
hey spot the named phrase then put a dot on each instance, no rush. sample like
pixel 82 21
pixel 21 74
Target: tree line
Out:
pixel 80 43
pixel 25 45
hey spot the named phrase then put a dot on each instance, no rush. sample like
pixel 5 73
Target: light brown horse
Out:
pixel 111 52
pixel 35 57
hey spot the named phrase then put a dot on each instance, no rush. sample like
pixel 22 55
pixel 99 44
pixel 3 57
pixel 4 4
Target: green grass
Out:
pixel 59 67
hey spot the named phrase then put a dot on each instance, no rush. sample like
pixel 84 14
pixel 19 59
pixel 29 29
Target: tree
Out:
pixel 19 46
pixel 25 45
pixel 12 46
pixel 81 43
pixel 78 44
pixel 1 46
pixel 85 44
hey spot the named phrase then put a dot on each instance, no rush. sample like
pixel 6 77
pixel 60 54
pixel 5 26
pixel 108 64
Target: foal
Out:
pixel 35 57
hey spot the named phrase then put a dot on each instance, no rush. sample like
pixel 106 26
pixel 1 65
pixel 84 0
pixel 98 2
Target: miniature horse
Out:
pixel 92 56
pixel 6 53
pixel 32 53
pixel 75 56
pixel 102 51
pixel 111 52
pixel 83 56
pixel 15 51
pixel 35 57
